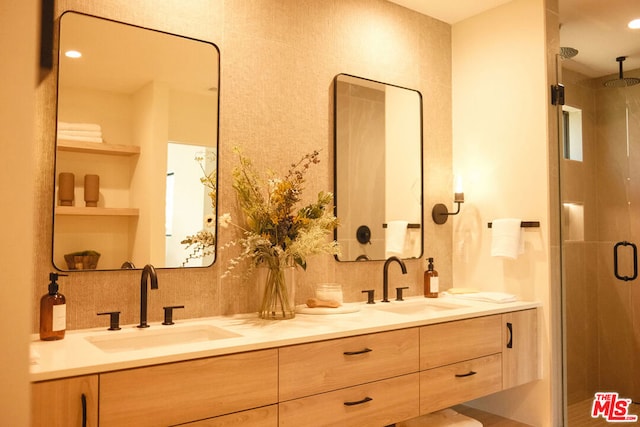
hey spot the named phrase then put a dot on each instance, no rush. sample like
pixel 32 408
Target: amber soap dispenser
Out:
pixel 53 312
pixel 431 285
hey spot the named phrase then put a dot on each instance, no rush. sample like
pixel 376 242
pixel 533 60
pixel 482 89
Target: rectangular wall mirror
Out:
pixel 136 108
pixel 378 168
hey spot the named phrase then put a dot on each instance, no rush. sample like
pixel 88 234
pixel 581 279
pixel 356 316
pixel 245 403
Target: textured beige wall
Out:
pixel 278 60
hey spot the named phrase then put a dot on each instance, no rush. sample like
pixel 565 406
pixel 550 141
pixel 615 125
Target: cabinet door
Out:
pixel 520 352
pixel 69 402
pixel 183 392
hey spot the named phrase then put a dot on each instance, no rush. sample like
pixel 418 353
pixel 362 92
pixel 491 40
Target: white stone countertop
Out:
pixel 76 355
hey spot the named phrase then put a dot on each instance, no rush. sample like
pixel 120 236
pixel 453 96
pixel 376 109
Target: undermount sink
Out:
pixel 157 336
pixel 418 306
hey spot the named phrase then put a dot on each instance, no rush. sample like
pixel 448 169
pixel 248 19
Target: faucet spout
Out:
pixel 148 272
pixel 385 275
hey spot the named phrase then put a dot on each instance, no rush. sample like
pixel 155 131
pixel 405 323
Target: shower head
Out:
pixel 621 81
pixel 568 52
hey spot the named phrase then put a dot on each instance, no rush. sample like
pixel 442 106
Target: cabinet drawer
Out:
pixel 180 392
pixel 308 369
pixel 266 416
pixel 452 384
pixel 378 403
pixel 453 342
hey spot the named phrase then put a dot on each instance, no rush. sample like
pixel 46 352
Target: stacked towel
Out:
pixel 445 417
pixel 496 297
pixel 88 132
pixel 34 356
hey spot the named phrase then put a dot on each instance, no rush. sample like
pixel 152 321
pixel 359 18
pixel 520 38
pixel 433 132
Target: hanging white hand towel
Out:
pixel 506 238
pixel 395 238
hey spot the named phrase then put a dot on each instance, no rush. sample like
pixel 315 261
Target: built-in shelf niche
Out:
pixel 572 133
pixel 573 221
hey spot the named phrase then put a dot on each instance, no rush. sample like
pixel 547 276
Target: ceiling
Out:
pixel 597 28
pixel 123 58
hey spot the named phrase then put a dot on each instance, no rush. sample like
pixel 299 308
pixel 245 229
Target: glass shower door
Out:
pixel 600 195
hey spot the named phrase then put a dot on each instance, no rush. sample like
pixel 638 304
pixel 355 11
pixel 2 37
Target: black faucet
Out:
pixel 148 272
pixel 385 281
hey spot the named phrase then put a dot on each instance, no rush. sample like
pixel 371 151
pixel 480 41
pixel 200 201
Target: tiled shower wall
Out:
pixel 602 319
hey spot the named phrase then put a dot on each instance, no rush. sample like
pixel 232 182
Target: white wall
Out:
pixel 500 150
pixel 19 22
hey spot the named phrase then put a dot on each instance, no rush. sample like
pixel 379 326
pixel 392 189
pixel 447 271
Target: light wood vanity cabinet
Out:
pixel 467 359
pixel 68 402
pixel 459 361
pixel 372 379
pixel 183 392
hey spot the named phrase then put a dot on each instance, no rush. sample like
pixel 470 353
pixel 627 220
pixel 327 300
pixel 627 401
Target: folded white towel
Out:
pixel 79 126
pixel 89 133
pixel 80 138
pixel 507 238
pixel 395 238
pixel 446 417
pixel 497 297
pixel 34 356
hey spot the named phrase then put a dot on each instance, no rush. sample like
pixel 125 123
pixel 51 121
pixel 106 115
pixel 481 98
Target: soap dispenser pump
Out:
pixel 53 312
pixel 431 285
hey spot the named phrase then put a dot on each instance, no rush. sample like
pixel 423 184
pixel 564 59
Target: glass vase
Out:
pixel 278 292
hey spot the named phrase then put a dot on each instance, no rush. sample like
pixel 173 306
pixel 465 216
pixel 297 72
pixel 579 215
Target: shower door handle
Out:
pixel 635 261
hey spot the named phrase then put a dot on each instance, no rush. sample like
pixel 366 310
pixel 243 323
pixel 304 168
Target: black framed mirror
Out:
pixel 136 108
pixel 378 169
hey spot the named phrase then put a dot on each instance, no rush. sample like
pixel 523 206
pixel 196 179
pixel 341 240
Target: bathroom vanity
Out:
pixel 382 364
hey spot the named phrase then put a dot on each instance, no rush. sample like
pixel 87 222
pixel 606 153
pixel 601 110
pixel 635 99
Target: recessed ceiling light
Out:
pixel 72 54
pixel 635 24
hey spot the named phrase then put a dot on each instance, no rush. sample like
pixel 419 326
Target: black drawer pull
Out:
pixel 353 353
pixel 83 399
pixel 510 330
pixel 468 374
pixel 359 402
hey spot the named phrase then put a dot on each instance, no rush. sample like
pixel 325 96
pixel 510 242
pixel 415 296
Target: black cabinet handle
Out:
pixel 510 329
pixel 353 353
pixel 359 402
pixel 468 374
pixel 83 399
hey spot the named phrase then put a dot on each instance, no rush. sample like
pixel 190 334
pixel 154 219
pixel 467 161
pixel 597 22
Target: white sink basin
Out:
pixel 157 336
pixel 417 306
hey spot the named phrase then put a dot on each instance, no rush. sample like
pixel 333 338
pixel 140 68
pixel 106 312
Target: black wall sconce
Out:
pixel 441 214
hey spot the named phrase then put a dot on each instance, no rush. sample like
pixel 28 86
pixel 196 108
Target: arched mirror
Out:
pixel 137 129
pixel 378 167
